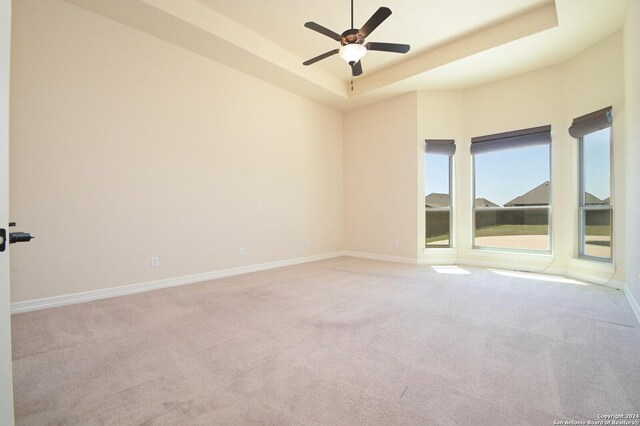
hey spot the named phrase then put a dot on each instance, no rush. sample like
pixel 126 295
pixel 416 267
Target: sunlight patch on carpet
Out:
pixel 450 269
pixel 538 277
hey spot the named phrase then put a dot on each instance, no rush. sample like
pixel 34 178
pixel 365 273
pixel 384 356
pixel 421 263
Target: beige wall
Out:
pixel 125 147
pixel 381 178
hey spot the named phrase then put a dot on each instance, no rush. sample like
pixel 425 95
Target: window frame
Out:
pixel 441 209
pixel 583 208
pixel 550 250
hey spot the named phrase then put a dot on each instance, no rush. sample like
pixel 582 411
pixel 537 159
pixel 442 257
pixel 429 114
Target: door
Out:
pixel 6 382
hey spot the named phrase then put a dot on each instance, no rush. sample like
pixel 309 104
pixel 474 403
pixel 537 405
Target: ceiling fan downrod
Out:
pixel 351 13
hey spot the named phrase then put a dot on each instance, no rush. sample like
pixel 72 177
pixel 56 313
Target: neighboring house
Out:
pixel 539 196
pixel 436 200
pixel 483 202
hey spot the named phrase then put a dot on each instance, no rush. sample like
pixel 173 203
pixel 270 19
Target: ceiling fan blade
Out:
pixel 322 30
pixel 321 57
pixel 356 69
pixel 375 20
pixel 388 47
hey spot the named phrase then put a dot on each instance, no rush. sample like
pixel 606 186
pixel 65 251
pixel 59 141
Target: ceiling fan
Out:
pixel 352 41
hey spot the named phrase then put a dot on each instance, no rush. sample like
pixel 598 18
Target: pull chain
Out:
pixel 352 84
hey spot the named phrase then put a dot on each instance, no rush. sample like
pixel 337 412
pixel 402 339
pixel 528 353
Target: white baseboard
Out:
pixel 69 299
pixel 86 296
pixel 632 302
pixel 383 257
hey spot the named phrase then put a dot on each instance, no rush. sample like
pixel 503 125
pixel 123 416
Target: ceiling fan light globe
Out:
pixel 352 53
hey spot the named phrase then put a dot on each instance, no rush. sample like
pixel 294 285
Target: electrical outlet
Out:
pixel 396 244
pixel 308 243
pixel 243 251
pixel 155 262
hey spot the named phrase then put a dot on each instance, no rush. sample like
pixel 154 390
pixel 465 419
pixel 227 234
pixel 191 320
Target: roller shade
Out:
pixel 514 139
pixel 591 122
pixel 440 146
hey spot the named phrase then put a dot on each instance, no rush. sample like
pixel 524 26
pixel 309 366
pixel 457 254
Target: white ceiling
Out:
pixel 423 24
pixel 454 43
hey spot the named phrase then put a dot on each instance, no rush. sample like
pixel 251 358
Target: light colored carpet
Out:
pixel 344 341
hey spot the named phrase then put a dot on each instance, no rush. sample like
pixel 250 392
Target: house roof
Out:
pixel 435 200
pixel 483 202
pixel 538 196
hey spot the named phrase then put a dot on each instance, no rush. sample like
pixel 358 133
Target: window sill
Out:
pixel 511 260
pixel 516 252
pixel 429 250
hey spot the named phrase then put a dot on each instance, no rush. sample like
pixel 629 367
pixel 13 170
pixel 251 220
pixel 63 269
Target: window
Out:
pixel 512 190
pixel 437 200
pixel 596 210
pixel 593 132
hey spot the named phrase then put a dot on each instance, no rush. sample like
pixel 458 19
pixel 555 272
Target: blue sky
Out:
pixel 597 164
pixel 503 175
pixel 436 174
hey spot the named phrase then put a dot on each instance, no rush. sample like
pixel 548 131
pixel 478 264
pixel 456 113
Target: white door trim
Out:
pixel 6 377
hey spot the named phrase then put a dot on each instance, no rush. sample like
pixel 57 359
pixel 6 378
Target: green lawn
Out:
pixel 600 230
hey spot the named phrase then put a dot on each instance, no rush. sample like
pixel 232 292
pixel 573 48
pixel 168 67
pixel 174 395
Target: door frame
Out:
pixel 6 376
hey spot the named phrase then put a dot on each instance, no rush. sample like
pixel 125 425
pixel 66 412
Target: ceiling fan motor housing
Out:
pixel 351 36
